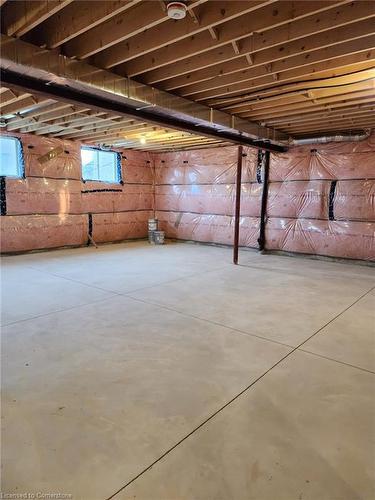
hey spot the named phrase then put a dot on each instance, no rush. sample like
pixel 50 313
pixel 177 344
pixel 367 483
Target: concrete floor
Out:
pixel 253 382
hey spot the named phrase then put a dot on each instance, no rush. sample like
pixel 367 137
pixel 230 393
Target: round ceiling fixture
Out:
pixel 176 10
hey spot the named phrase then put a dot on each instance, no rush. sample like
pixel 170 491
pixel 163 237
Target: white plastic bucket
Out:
pixel 152 224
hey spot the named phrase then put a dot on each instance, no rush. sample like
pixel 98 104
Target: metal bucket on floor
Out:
pixel 159 237
pixel 151 237
pixel 152 225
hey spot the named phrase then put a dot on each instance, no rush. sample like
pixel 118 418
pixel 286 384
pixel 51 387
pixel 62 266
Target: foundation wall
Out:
pixel 53 207
pixel 321 198
pixel 195 195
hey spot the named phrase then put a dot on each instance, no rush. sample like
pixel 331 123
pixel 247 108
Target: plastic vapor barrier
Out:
pixel 43 196
pixel 195 195
pixel 345 239
pixel 116 198
pixel 120 226
pixel 322 200
pixel 32 232
pixel 208 228
pixel 53 207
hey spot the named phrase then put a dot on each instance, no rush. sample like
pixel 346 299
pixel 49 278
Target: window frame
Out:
pixel 20 159
pixel 118 169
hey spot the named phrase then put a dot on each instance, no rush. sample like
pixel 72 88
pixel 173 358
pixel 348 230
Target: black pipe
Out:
pixel 238 206
pixel 69 94
pixel 264 159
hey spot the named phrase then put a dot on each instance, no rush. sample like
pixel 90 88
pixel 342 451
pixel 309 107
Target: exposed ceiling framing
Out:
pixel 303 68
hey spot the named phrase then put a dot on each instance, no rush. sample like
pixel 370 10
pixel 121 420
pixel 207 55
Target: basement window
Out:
pixel 98 165
pixel 11 157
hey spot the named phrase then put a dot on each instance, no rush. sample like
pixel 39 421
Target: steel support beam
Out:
pixel 237 212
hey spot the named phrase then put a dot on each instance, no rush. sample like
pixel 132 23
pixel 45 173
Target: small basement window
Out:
pixel 98 165
pixel 11 157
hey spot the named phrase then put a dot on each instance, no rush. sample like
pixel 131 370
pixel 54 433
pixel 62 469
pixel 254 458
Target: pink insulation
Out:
pixel 137 167
pixel 116 198
pixel 316 161
pixel 208 199
pixel 120 226
pixel 204 166
pixel 51 206
pixel 309 185
pixel 355 200
pixel 346 239
pixel 307 199
pixel 43 196
pixel 195 195
pixel 322 200
pixel 30 232
pixel 208 228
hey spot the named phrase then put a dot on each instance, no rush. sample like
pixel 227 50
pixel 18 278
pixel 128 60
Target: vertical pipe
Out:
pixel 238 206
pixel 263 211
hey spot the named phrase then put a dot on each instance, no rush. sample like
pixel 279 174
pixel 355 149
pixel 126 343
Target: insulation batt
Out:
pixel 120 226
pixel 204 166
pixel 43 196
pixel 314 163
pixel 346 239
pixel 48 209
pixel 208 228
pixel 209 199
pixel 193 193
pixel 194 198
pixel 308 199
pixel 355 200
pixel 32 232
pixel 127 197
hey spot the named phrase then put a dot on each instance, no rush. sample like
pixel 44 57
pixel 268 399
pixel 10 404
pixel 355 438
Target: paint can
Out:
pixel 151 237
pixel 159 237
pixel 152 225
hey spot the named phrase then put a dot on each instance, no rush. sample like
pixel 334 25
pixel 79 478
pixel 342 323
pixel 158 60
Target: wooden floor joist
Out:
pixel 299 67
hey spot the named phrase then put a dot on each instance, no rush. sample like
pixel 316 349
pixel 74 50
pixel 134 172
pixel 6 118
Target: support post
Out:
pixel 238 206
pixel 263 212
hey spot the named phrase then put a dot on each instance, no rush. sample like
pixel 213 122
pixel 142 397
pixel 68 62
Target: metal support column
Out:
pixel 238 206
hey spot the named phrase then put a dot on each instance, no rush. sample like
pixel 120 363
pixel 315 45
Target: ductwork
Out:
pixel 50 73
pixel 331 138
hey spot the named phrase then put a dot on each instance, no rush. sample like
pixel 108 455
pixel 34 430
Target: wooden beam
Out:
pixel 25 101
pixel 208 77
pixel 88 124
pixel 141 17
pixel 115 132
pixel 7 97
pixel 76 19
pixel 337 125
pixel 214 33
pixel 232 84
pixel 21 16
pixel 39 114
pixel 70 116
pixel 297 80
pixel 330 116
pixel 210 14
pixel 319 115
pixel 235 29
pixel 287 110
